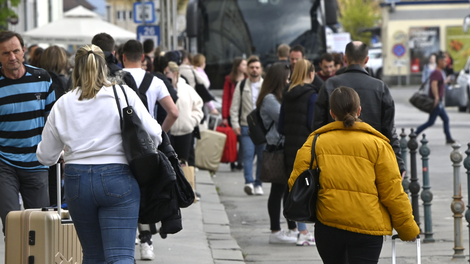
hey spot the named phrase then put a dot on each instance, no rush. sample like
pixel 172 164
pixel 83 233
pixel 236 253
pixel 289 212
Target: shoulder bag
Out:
pixel 421 100
pixel 139 148
pixel 301 204
pixel 203 92
pixel 273 167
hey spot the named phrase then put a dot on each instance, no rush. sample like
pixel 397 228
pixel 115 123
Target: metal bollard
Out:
pixel 457 204
pixel 426 194
pixel 414 185
pixel 403 146
pixel 466 164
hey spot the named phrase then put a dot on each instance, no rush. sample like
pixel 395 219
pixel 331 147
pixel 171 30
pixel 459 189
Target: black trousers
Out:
pixel 278 193
pixel 184 147
pixel 337 246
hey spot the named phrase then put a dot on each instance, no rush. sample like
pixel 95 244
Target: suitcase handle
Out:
pixel 418 249
pixel 59 189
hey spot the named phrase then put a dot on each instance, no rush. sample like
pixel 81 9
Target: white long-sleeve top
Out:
pixel 189 106
pixel 90 130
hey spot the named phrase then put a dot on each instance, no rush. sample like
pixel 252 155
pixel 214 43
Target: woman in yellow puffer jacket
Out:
pixel 361 197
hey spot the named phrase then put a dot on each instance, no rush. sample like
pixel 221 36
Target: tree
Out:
pixel 6 12
pixel 357 15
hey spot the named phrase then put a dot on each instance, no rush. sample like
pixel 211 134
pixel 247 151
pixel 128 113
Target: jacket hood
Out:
pixel 299 91
pixel 358 126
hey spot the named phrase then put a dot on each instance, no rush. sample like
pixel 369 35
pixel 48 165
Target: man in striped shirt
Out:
pixel 26 97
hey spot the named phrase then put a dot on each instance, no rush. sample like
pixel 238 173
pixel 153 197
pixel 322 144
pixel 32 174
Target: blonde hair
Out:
pixel 198 60
pixel 301 71
pixel 90 71
pixel 173 67
pixel 54 59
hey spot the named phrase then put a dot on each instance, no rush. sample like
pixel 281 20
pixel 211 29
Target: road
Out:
pixel 249 220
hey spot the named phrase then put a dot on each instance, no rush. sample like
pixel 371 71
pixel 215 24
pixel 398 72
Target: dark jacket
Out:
pixel 295 114
pixel 59 83
pixel 378 108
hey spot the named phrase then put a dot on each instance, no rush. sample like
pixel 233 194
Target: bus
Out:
pixel 225 29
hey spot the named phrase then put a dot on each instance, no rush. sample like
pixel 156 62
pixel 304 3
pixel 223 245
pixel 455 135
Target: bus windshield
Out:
pixel 231 28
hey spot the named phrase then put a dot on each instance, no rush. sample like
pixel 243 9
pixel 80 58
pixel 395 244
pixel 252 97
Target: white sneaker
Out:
pixel 305 240
pixel 146 251
pixel 259 190
pixel 293 233
pixel 280 237
pixel 249 188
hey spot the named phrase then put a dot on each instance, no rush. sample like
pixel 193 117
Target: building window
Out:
pixel 108 13
pixel 130 15
pixel 118 15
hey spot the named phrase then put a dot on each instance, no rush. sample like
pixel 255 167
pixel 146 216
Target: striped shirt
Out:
pixel 24 103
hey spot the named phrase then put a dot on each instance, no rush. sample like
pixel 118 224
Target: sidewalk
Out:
pixel 205 238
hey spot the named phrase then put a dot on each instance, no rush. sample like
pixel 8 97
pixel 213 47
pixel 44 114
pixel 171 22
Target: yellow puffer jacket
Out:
pixel 360 182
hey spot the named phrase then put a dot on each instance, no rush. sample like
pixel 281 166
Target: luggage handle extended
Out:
pixel 418 249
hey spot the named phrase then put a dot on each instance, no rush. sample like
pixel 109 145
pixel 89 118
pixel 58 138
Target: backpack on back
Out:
pixel 256 128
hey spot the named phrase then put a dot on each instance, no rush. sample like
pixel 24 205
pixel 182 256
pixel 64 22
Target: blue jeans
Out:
pixel 104 204
pixel 249 150
pixel 441 112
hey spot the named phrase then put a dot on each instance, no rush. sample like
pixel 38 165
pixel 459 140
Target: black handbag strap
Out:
pixel 116 97
pixel 314 155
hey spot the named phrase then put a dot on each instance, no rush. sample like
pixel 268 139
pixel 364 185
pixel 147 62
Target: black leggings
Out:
pixel 278 192
pixel 337 246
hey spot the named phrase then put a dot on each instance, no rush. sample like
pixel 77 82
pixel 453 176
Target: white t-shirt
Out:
pixel 255 87
pixel 156 92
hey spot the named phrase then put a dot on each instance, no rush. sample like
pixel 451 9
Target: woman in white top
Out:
pixel 189 106
pixel 102 195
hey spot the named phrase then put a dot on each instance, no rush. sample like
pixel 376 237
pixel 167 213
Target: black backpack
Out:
pixel 256 128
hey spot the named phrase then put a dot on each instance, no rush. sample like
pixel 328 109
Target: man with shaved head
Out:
pixel 378 108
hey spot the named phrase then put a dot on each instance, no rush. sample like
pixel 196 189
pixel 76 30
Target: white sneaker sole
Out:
pixel 305 243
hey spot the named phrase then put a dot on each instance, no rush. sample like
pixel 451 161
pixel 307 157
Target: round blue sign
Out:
pixel 399 50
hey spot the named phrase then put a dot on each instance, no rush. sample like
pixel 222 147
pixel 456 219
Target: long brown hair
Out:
pixel 234 73
pixel 344 103
pixel 301 71
pixel 274 82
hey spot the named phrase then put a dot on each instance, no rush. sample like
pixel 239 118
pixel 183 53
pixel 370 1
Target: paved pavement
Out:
pixel 227 226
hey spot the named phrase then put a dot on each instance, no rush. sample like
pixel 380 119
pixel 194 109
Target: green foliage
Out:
pixel 357 15
pixel 6 12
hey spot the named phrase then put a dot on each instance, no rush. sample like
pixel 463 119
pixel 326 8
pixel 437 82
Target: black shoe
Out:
pixel 239 167
pixel 450 141
pixel 233 166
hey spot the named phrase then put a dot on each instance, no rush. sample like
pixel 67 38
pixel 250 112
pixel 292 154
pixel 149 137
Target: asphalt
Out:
pixel 226 226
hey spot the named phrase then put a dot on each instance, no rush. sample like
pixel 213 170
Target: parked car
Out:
pixel 458 93
pixel 375 63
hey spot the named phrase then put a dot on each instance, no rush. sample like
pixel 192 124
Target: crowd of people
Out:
pixel 76 97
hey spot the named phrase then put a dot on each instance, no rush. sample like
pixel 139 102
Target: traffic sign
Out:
pixel 399 50
pixel 144 13
pixel 149 32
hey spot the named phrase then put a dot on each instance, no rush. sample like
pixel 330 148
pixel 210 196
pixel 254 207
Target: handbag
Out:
pixel 139 148
pixel 301 203
pixel 273 167
pixel 422 101
pixel 203 92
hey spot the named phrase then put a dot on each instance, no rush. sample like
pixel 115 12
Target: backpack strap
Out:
pixel 242 86
pixel 145 85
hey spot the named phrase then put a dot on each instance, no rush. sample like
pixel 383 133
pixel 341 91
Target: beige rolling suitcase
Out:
pixel 209 150
pixel 42 236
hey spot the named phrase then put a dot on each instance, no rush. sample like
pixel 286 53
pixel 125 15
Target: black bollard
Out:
pixel 403 146
pixel 414 185
pixel 426 194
